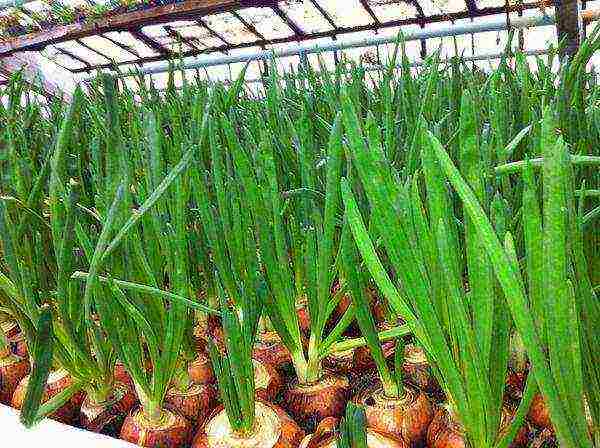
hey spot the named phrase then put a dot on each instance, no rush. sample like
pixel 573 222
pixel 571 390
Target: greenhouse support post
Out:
pixel 568 25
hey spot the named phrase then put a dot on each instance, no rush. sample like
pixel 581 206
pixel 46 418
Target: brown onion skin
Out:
pixel 303 319
pixel 363 360
pixel 122 375
pixel 408 419
pixel 175 434
pixel 312 403
pixel 67 413
pixel 200 369
pixel 12 370
pixel 18 345
pixel 546 438
pixel 523 436
pixel 108 419
pixel 10 329
pixel 291 433
pixel 201 372
pixel 214 331
pixel 515 385
pixel 274 386
pixel 325 436
pixel 199 337
pixel 194 404
pixel 444 431
pixel 538 414
pixel 341 363
pixel 378 309
pixel 417 371
pixel 268 349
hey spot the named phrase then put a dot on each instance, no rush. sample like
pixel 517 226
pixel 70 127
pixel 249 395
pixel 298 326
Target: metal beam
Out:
pixel 471 5
pixel 496 24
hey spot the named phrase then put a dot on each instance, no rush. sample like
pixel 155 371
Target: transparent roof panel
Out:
pixel 129 41
pixel 200 36
pixel 449 47
pixel 53 54
pixel 436 7
pixel 481 4
pixel 155 31
pixel 388 10
pixel 304 13
pixel 80 51
pixel 37 6
pixel 75 3
pixel 347 13
pixel 266 22
pixel 356 52
pixel 161 80
pixel 229 27
pixel 176 46
pixel 540 37
pixel 107 48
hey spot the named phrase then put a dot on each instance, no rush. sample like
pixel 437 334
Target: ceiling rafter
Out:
pixel 202 23
pixel 370 11
pixel 324 13
pixel 121 45
pixel 86 46
pixel 147 40
pixel 75 57
pixel 180 37
pixel 248 25
pixel 299 32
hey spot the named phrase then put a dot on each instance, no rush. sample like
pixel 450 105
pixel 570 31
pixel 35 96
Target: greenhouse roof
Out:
pixel 85 35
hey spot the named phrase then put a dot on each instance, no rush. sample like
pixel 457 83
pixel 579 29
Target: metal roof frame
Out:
pixel 197 10
pixel 484 25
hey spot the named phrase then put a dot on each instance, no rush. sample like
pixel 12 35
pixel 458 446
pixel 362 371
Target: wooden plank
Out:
pixel 190 9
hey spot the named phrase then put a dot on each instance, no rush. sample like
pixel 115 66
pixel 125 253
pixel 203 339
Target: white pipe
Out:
pixel 482 25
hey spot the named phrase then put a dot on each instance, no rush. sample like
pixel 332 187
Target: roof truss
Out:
pixel 161 48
